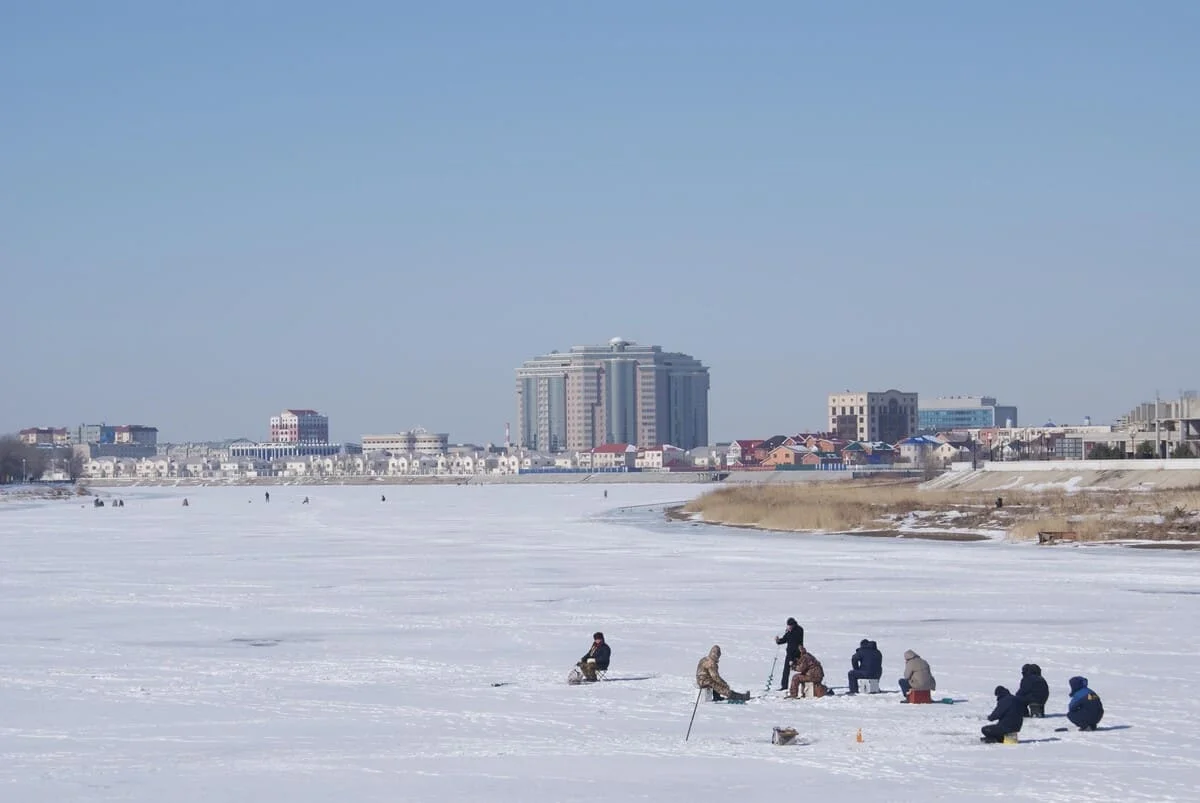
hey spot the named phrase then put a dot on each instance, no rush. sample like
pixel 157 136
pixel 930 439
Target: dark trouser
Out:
pixel 1035 710
pixel 787 670
pixel 1084 723
pixel 853 676
pixel 904 687
pixel 993 733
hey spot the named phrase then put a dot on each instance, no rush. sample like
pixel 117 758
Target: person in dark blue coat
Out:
pixel 866 663
pixel 1034 690
pixel 1008 716
pixel 1085 709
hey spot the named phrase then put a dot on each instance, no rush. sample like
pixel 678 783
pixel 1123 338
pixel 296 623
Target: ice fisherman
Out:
pixel 267 496
pixel 807 669
pixel 1008 715
pixel 708 676
pixel 793 637
pixel 1085 709
pixel 917 675
pixel 1033 691
pixel 595 659
pixel 865 664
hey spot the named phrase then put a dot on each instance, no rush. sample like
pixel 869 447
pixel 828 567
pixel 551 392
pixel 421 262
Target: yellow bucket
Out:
pixel 1011 738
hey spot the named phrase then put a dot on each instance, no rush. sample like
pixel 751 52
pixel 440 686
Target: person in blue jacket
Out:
pixel 1085 709
pixel 866 663
pixel 1034 690
pixel 1008 715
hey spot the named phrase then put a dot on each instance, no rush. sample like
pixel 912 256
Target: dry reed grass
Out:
pixel 871 505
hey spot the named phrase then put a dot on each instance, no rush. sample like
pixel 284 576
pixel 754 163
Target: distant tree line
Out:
pixel 20 461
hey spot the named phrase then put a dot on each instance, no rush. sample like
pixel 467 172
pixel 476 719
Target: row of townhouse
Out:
pixel 379 465
pixel 821 450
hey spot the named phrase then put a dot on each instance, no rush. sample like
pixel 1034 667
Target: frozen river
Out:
pixel 347 649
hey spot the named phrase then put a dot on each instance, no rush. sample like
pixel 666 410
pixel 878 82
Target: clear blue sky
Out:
pixel 211 211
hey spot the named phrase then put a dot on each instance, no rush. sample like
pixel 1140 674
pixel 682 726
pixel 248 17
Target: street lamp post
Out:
pixel 24 473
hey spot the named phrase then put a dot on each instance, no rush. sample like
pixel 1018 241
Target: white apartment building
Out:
pixel 621 392
pixel 417 441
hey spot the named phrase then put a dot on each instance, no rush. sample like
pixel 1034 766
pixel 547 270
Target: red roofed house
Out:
pixel 741 453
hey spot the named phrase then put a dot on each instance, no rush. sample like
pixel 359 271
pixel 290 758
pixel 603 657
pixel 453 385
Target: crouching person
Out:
pixel 1008 715
pixel 708 676
pixel 807 669
pixel 1085 709
pixel 1034 691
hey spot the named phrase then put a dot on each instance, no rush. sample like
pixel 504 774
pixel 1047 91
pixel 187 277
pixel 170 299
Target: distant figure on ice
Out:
pixel 120 503
pixel 606 494
pixel 382 498
pixel 1008 715
pixel 917 675
pixel 305 502
pixel 708 676
pixel 865 664
pixel 97 502
pixel 185 504
pixel 1085 709
pixel 594 660
pixel 1034 691
pixel 999 502
pixel 793 637
pixel 267 496
pixel 807 669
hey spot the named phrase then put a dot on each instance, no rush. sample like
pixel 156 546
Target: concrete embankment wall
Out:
pixel 1113 475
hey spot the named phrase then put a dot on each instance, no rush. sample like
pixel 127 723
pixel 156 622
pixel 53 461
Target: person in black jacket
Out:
pixel 866 663
pixel 1085 709
pixel 793 637
pixel 1008 716
pixel 596 659
pixel 1034 691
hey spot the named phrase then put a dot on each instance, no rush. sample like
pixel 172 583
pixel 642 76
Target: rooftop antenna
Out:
pixel 507 440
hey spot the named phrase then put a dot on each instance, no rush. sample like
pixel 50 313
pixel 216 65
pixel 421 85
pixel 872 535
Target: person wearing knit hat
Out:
pixel 1008 715
pixel 793 637
pixel 595 659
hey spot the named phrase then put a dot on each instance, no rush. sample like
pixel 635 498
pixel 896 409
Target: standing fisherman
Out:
pixel 793 637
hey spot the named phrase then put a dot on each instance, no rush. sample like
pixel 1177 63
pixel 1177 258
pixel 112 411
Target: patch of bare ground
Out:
pixel 892 507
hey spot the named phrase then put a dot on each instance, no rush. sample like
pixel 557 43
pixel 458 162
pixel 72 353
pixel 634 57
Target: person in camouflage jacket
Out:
pixel 807 669
pixel 708 676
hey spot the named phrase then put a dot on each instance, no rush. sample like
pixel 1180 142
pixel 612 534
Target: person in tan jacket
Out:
pixel 807 669
pixel 708 676
pixel 917 675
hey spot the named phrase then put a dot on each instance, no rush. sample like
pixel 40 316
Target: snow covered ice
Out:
pixel 347 649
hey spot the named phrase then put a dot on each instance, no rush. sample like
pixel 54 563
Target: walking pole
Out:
pixel 697 705
pixel 771 677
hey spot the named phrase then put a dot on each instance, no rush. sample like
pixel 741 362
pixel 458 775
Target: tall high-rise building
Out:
pixel 621 392
pixel 299 426
pixel 887 416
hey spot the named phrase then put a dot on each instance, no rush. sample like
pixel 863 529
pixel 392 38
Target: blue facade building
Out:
pixel 964 412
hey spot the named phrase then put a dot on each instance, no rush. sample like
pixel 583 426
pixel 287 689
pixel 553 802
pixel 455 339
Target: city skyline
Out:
pixel 379 212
